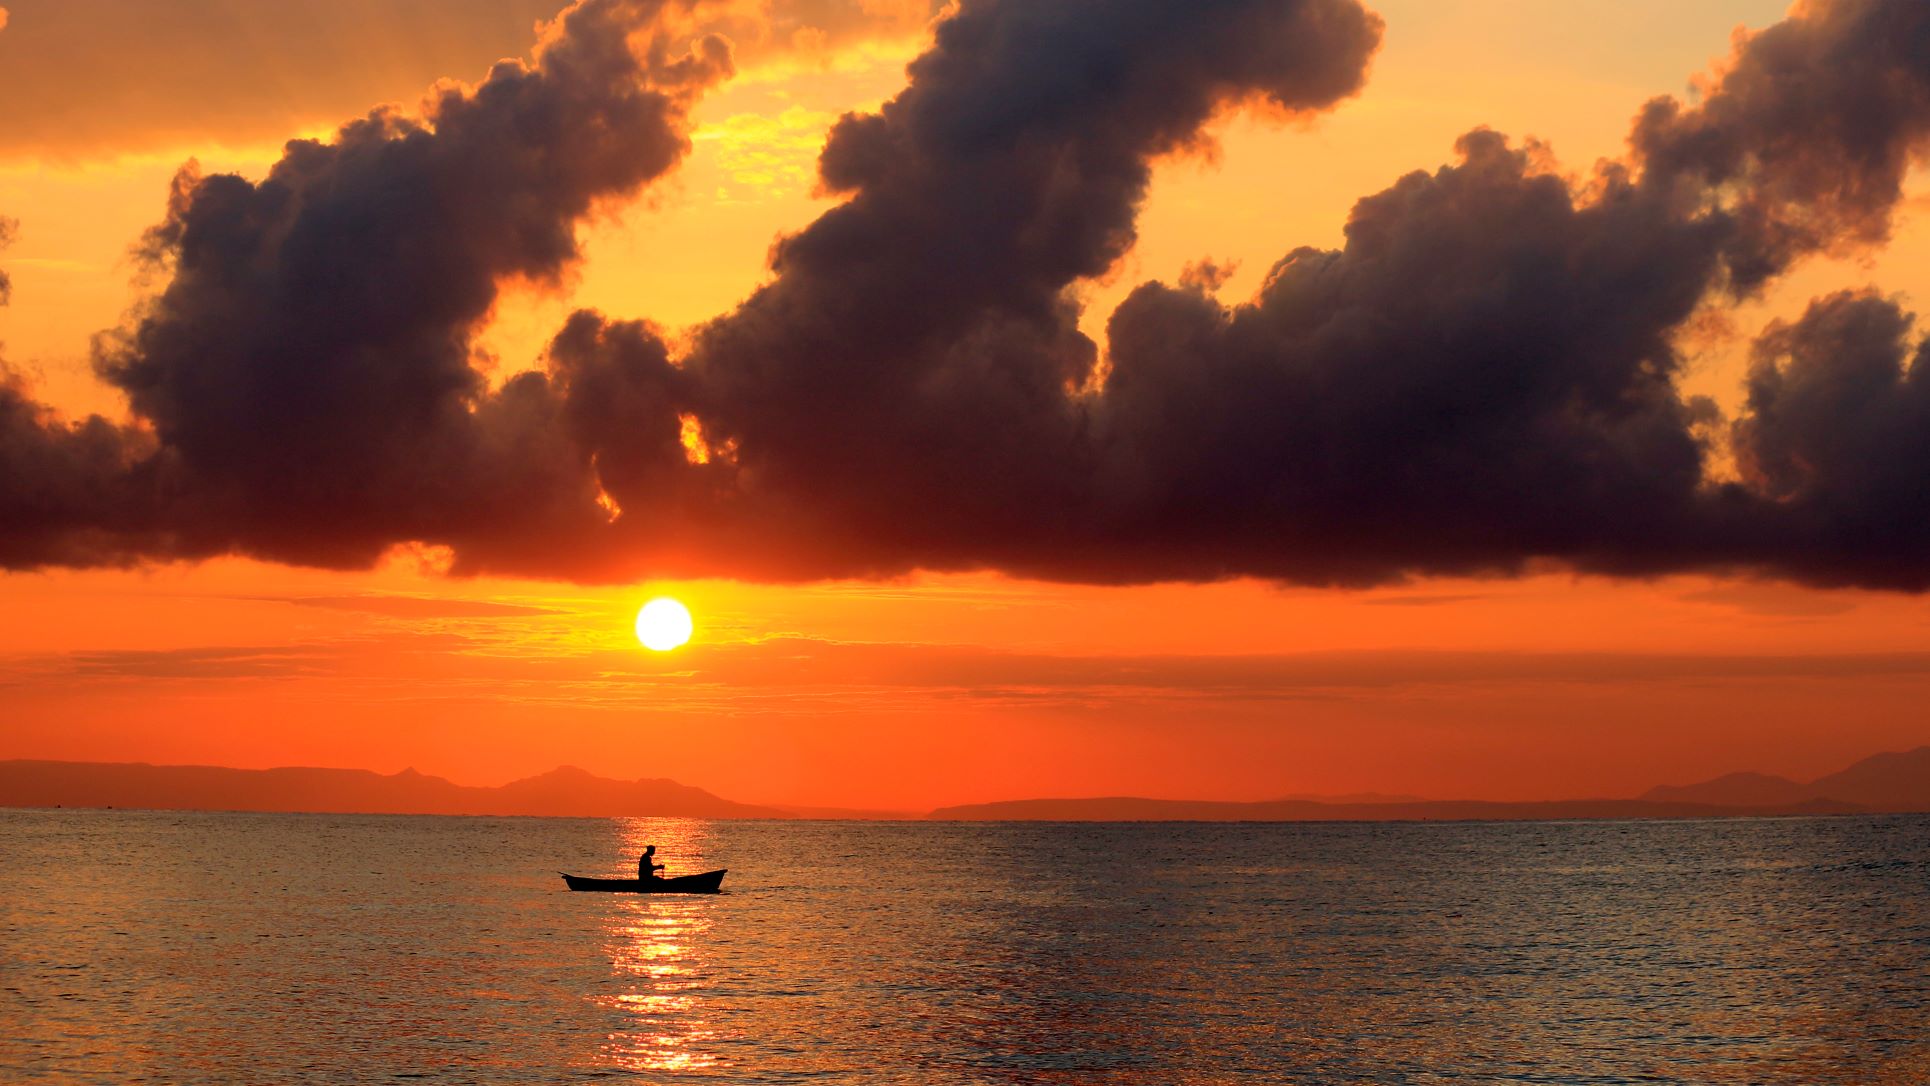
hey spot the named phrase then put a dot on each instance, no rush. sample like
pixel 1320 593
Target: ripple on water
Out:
pixel 169 947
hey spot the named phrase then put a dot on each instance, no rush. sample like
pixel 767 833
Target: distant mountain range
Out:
pixel 1882 783
pixel 1128 809
pixel 565 792
pixel 1895 782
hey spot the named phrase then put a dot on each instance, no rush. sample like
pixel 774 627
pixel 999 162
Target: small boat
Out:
pixel 710 882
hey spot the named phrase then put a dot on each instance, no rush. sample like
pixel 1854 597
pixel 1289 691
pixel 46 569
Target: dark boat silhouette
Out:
pixel 710 882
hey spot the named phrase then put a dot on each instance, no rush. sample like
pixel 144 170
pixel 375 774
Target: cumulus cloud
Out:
pixel 1836 431
pixel 1804 143
pixel 1481 376
pixel 901 392
pixel 69 492
pixel 308 369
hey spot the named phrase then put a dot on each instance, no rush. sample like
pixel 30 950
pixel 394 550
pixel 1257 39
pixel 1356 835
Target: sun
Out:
pixel 663 624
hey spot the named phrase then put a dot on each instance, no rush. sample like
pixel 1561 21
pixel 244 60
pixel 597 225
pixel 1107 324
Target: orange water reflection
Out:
pixel 657 948
pixel 164 947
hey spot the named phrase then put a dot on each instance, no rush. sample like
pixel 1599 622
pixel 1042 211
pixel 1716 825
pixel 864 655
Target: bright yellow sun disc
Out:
pixel 663 624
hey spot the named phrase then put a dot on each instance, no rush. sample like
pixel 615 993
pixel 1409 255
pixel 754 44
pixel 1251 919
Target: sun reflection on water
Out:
pixel 185 947
pixel 658 962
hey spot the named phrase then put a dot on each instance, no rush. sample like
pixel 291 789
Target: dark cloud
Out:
pixel 1482 376
pixel 73 493
pixel 903 392
pixel 1479 377
pixel 1836 431
pixel 1805 142
pixel 70 493
pixel 308 368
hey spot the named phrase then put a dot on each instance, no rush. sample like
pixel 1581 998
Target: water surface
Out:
pixel 169 947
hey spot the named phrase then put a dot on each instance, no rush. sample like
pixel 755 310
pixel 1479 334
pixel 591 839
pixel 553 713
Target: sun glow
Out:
pixel 663 624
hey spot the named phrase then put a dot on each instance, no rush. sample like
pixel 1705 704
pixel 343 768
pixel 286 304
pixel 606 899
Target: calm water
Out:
pixel 150 947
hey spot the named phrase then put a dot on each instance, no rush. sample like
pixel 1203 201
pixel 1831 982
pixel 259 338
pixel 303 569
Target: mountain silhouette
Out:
pixel 1133 809
pixel 1733 790
pixel 1890 782
pixel 562 792
pixel 1895 781
pixel 569 791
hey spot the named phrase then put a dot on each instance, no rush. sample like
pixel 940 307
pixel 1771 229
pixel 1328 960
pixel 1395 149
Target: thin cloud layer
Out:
pixel 1482 376
pixel 8 228
pixel 87 79
pixel 802 667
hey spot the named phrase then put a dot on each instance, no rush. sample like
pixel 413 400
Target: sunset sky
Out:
pixel 1565 471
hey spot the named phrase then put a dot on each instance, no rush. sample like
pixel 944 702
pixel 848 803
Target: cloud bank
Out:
pixel 1482 376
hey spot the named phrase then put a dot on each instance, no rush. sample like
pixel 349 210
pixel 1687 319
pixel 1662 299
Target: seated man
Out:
pixel 647 867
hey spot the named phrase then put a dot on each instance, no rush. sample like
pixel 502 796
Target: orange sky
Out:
pixel 934 689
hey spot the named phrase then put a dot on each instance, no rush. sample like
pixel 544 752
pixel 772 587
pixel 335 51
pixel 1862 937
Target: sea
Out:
pixel 171 947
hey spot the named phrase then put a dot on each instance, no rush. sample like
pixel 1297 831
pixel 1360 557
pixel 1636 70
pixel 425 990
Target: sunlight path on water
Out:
pixel 658 943
pixel 172 947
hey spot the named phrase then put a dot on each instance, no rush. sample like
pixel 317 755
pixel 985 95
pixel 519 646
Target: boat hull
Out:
pixel 710 882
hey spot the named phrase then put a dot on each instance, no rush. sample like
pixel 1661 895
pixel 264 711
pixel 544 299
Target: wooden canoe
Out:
pixel 710 882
